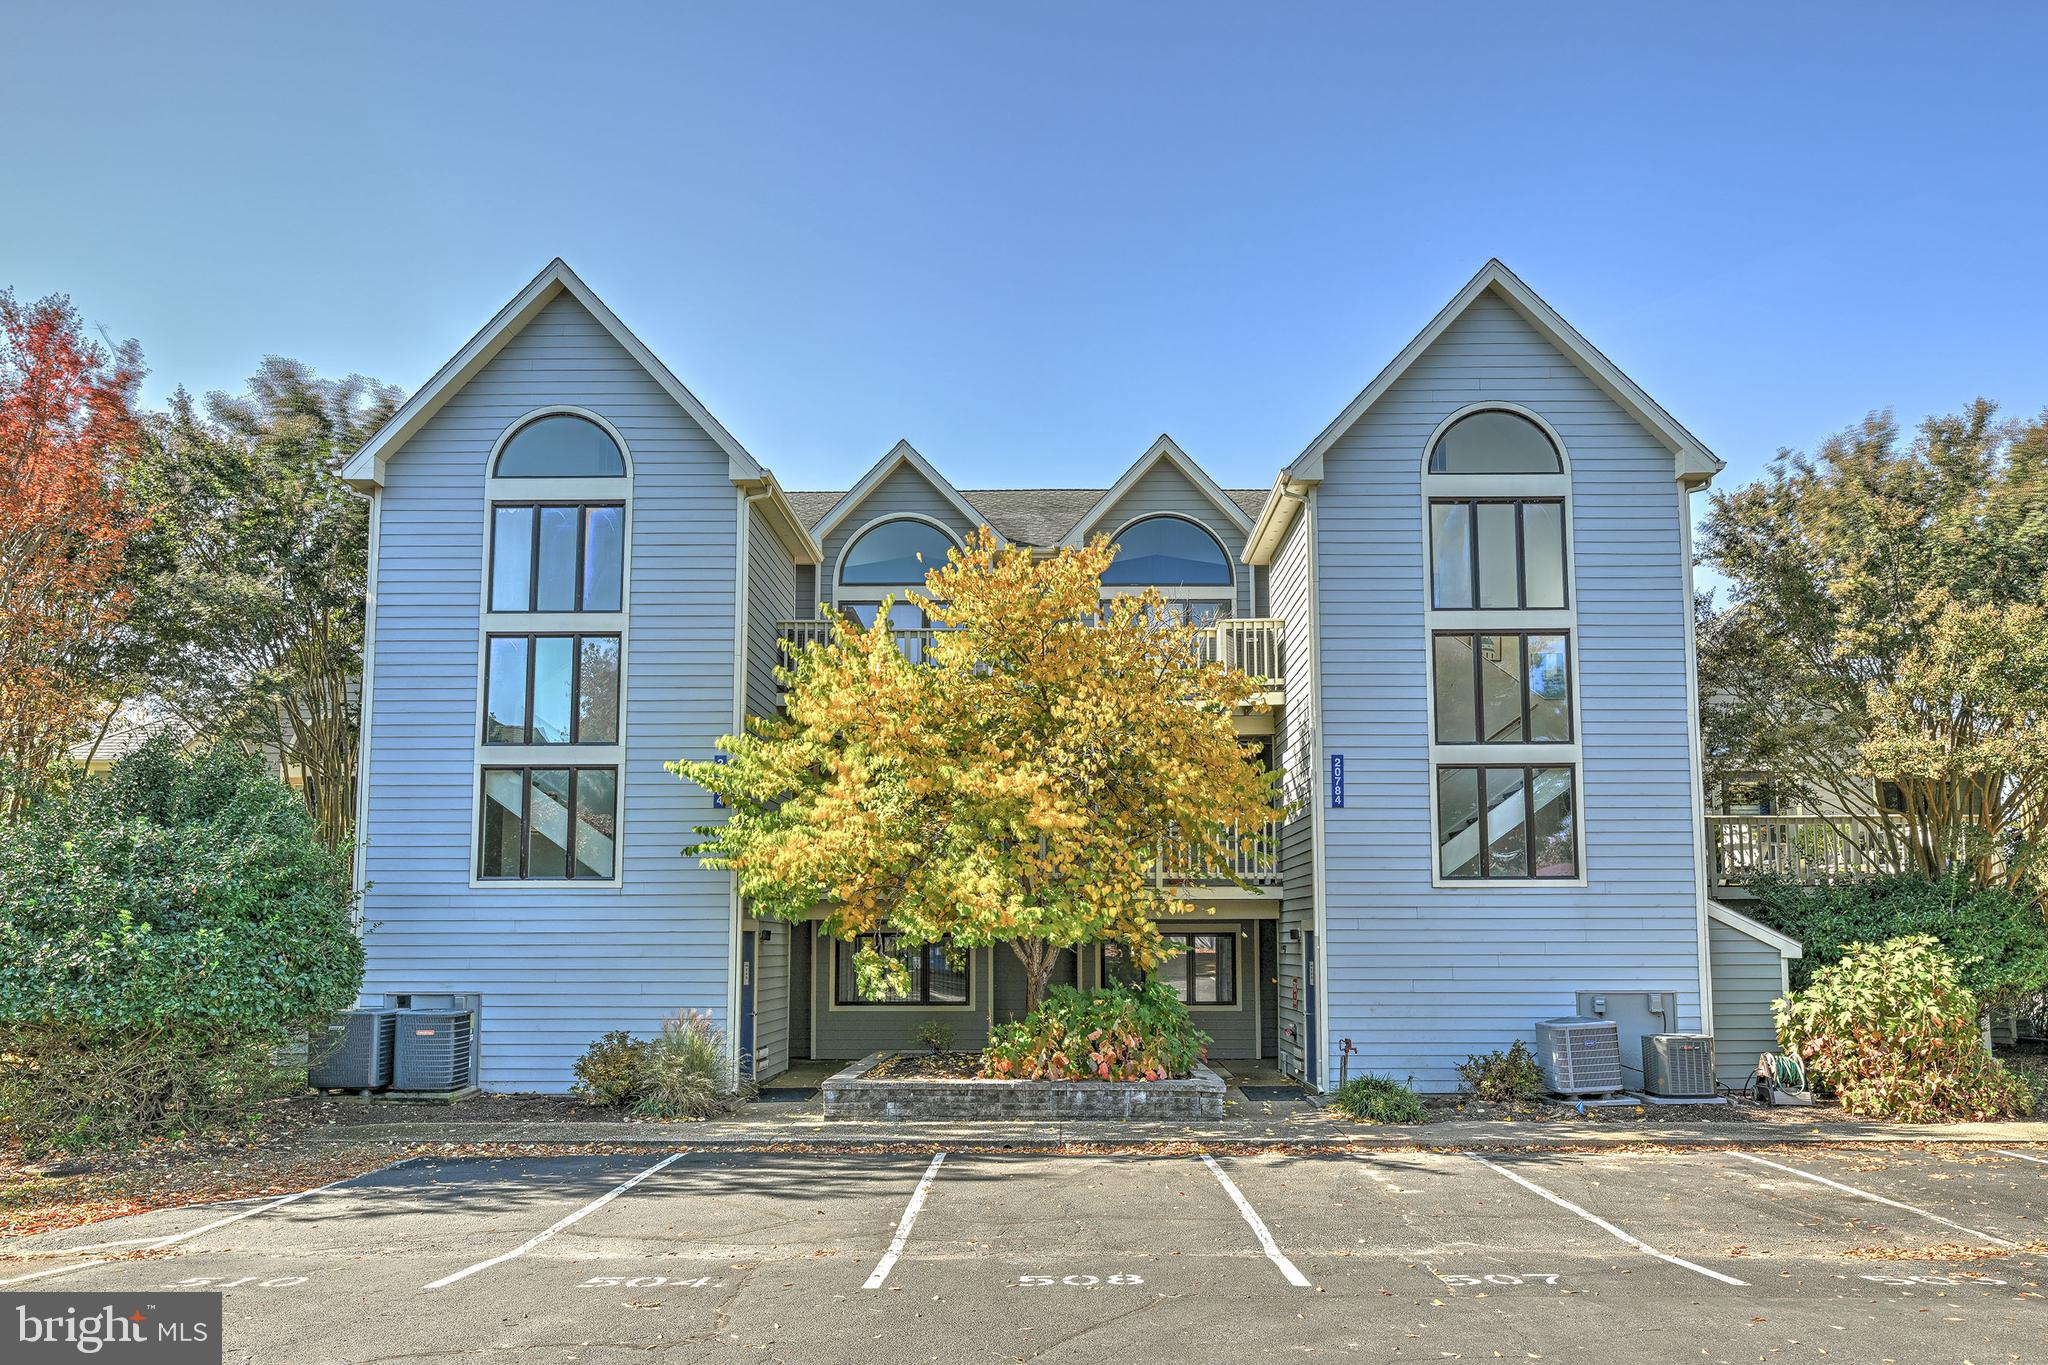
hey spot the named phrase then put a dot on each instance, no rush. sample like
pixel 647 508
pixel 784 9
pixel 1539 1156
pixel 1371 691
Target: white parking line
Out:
pixel 903 1225
pixel 1258 1226
pixel 1597 1221
pixel 159 1243
pixel 530 1243
pixel 1875 1199
pixel 2024 1157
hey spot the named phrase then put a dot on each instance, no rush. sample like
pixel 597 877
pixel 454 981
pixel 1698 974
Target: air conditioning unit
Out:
pixel 433 1051
pixel 1678 1064
pixel 1579 1056
pixel 353 1052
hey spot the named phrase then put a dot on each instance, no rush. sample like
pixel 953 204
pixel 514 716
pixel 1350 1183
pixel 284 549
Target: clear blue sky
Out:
pixel 1031 237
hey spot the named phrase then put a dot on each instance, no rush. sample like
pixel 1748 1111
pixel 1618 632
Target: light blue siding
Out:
pixel 771 996
pixel 1290 589
pixel 1749 975
pixel 771 597
pixel 557 965
pixel 1418 977
pixel 1163 488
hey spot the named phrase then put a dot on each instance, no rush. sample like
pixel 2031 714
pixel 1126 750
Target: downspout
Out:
pixel 742 648
pixel 359 855
pixel 1696 788
pixel 1318 834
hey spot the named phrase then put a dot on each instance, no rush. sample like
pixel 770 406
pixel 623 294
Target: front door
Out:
pixel 747 1004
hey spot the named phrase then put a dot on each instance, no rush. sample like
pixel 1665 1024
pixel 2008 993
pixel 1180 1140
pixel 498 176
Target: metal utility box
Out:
pixel 1636 1015
pixel 353 1052
pixel 1579 1056
pixel 1678 1065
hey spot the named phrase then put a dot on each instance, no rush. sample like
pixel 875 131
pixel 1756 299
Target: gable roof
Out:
pixel 900 454
pixel 1693 462
pixel 365 468
pixel 1162 449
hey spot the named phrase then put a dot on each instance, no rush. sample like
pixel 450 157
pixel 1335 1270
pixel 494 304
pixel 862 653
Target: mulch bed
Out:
pixel 928 1066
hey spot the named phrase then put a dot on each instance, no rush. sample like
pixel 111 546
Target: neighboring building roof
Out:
pixel 1022 516
pixel 126 733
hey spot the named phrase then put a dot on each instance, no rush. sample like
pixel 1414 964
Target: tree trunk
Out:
pixel 1039 958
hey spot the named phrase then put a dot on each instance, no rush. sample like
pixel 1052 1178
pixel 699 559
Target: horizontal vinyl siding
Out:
pixel 1163 488
pixel 1748 976
pixel 557 965
pixel 1290 591
pixel 771 597
pixel 1418 977
pixel 771 997
pixel 903 492
pixel 845 1032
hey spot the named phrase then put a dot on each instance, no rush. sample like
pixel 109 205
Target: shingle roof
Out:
pixel 1024 516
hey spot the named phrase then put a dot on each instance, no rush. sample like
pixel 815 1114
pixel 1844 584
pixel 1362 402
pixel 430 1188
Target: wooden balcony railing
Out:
pixel 1254 644
pixel 1253 858
pixel 1801 848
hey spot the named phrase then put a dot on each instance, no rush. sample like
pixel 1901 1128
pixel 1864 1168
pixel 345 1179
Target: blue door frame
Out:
pixel 747 1004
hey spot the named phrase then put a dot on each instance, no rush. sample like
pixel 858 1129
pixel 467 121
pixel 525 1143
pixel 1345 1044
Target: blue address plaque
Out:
pixel 1337 781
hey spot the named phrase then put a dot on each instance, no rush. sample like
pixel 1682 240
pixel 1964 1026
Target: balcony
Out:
pixel 1254 859
pixel 1803 848
pixel 1254 644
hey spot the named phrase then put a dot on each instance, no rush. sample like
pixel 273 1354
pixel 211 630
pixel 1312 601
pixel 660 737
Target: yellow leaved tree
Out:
pixel 1010 786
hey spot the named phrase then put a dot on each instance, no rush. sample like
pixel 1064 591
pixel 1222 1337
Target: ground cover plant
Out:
pixel 171 928
pixel 1377 1099
pixel 1119 1033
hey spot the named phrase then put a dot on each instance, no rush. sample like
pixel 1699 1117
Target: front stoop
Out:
pixel 852 1095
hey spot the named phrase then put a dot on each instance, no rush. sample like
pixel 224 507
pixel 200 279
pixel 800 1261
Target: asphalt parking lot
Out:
pixel 1910 1255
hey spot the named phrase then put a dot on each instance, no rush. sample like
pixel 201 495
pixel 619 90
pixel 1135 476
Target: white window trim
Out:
pixel 875 592
pixel 1496 620
pixel 1238 589
pixel 608 489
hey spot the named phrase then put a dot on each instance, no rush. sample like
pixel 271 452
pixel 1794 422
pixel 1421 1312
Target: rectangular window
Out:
pixel 933 979
pixel 557 557
pixel 1502 554
pixel 1502 688
pixel 1203 972
pixel 1507 823
pixel 551 689
pixel 549 824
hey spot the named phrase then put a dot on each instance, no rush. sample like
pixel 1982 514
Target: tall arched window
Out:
pixel 561 445
pixel 894 554
pixel 1494 441
pixel 1168 552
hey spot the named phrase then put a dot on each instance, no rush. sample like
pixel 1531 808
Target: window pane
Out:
pixel 1172 972
pixel 1455 723
pixel 1543 552
pixel 1497 579
pixel 948 984
pixel 1556 833
pixel 511 558
pixel 552 657
pixel 1226 969
pixel 1500 688
pixel 1168 552
pixel 1457 821
pixel 1116 967
pixel 1494 443
pixel 561 446
pixel 505 691
pixel 556 590
pixel 1450 540
pixel 597 804
pixel 895 554
pixel 603 556
pixel 1507 835
pixel 1202 951
pixel 1550 693
pixel 597 695
pixel 547 835
pixel 860 613
pixel 499 855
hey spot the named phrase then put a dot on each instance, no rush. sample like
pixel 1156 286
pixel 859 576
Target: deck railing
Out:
pixel 1254 644
pixel 1253 858
pixel 1801 848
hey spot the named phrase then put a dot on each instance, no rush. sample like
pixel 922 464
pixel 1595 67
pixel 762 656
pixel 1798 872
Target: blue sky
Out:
pixel 1030 238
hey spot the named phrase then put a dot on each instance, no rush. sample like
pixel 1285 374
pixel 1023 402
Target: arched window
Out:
pixel 561 445
pixel 1494 442
pixel 1167 552
pixel 895 554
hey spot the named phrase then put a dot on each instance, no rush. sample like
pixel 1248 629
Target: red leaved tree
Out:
pixel 67 435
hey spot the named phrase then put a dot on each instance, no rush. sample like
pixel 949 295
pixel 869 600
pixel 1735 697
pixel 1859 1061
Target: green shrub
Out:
pixel 1893 1032
pixel 1377 1099
pixel 1119 1033
pixel 935 1034
pixel 609 1072
pixel 1997 939
pixel 683 1072
pixel 1511 1077
pixel 167 927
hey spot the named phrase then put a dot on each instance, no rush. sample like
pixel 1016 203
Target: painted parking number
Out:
pixel 1078 1281
pixel 1475 1281
pixel 1960 1279
pixel 647 1282
pixel 214 1282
